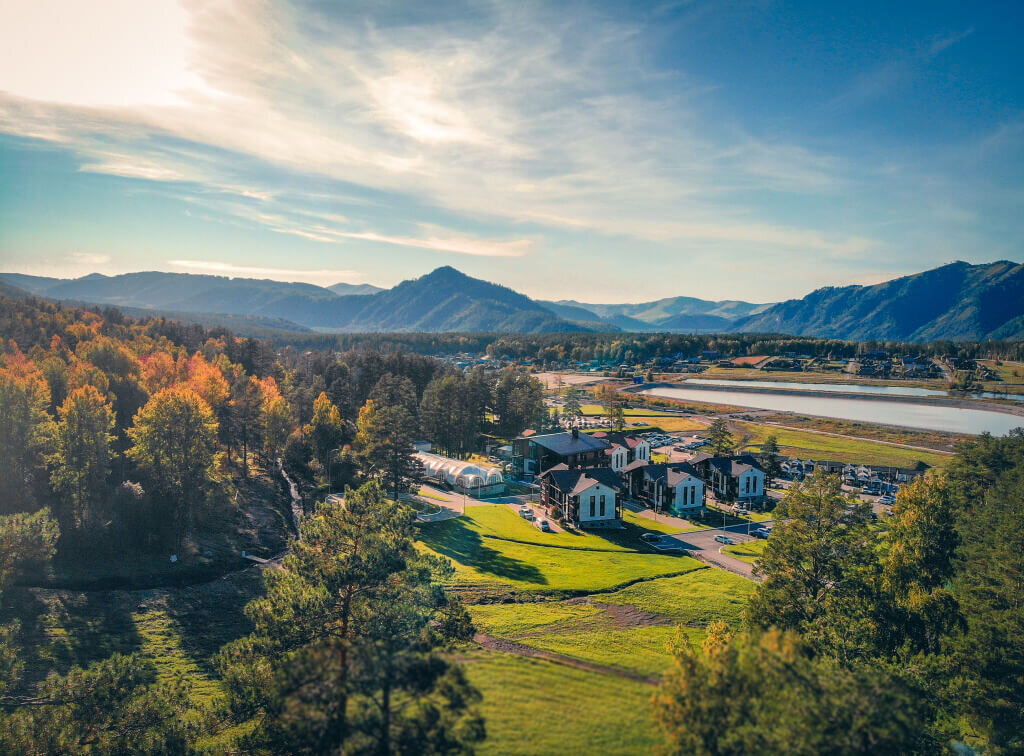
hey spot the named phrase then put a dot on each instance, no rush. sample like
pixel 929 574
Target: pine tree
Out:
pixel 344 653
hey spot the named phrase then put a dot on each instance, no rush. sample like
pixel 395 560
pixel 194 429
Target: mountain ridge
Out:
pixel 958 301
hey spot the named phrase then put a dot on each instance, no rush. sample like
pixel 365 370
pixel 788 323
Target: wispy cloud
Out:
pixel 465 121
pixel 318 277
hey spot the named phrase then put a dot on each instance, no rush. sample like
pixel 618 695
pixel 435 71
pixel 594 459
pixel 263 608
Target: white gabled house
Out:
pixel 587 498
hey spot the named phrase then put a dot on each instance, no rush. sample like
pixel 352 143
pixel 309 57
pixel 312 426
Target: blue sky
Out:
pixel 594 151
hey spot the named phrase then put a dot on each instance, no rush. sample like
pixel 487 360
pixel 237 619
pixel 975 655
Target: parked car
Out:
pixel 650 537
pixel 742 510
pixel 763 532
pixel 526 512
pixel 542 525
pixel 724 539
pixel 888 500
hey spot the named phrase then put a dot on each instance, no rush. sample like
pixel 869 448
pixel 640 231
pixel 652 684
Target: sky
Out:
pixel 602 152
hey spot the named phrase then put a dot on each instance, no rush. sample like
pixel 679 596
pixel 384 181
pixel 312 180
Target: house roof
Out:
pixel 635 465
pixel 619 438
pixel 672 472
pixel 575 482
pixel 566 443
pixel 733 466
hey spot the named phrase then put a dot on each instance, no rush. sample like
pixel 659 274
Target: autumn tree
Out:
pixel 325 430
pixel 384 444
pixel 174 439
pixel 25 428
pixel 80 460
pixel 343 657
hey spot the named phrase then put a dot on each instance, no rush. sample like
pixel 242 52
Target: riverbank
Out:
pixel 933 401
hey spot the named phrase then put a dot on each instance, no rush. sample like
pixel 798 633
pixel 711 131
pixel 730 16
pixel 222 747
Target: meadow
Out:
pixel 796 443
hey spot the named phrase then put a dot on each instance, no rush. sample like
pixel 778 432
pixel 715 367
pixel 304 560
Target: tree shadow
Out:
pixel 60 630
pixel 209 615
pixel 455 540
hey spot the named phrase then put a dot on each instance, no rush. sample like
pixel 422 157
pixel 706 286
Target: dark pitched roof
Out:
pixel 734 465
pixel 671 472
pixel 575 481
pixel 566 443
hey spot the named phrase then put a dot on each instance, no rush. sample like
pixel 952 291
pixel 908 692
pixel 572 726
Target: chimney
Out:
pixel 575 432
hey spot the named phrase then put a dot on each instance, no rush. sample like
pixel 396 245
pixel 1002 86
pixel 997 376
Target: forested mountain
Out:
pixel 959 301
pixel 444 300
pixel 681 314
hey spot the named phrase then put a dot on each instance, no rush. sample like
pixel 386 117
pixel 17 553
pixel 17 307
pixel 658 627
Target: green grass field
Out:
pixel 629 629
pixel 748 552
pixel 815 445
pixel 477 547
pixel 694 599
pixel 535 707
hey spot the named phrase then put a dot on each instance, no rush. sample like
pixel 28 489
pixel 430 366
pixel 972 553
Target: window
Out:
pixel 592 499
pixel 693 495
pixel 747 485
pixel 602 506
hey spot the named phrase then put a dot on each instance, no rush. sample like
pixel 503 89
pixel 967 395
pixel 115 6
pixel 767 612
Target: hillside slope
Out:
pixel 958 301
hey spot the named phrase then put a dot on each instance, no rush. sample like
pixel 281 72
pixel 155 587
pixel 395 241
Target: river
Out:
pixel 845 388
pixel 888 412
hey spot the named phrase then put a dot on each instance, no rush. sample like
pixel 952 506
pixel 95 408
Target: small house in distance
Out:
pixel 587 498
pixel 534 454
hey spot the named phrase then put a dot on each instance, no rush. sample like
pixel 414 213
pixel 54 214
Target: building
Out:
pixel 534 454
pixel 674 487
pixel 587 497
pixel 739 478
pixel 460 475
pixel 624 448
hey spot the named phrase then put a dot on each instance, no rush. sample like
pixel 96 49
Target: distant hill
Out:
pixel 959 301
pixel 445 300
pixel 679 314
pixel 344 289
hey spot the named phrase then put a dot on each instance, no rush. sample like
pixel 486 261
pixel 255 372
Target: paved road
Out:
pixel 701 544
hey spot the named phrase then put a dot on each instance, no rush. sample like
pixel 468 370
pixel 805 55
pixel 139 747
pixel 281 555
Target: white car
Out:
pixel 526 512
pixel 724 539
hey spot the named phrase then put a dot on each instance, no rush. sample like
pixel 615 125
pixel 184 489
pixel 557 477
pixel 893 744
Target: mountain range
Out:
pixel 958 301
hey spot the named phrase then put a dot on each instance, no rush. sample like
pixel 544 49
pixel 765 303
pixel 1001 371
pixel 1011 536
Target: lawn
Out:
pixel 694 599
pixel 537 707
pixel 643 650
pixel 629 629
pixel 817 446
pixel 477 547
pixel 748 552
pixel 868 431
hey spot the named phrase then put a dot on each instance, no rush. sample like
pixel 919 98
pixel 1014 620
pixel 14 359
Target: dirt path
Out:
pixel 511 647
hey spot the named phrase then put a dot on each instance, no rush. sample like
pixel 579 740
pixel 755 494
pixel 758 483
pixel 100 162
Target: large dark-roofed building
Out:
pixel 535 454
